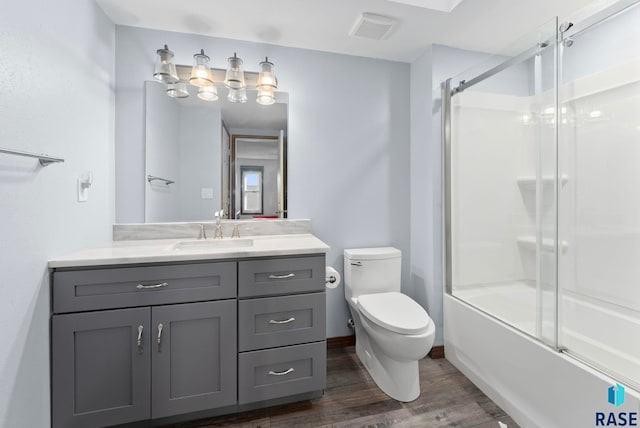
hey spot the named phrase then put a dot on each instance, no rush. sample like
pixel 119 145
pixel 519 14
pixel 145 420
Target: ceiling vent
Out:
pixel 372 26
pixel 439 5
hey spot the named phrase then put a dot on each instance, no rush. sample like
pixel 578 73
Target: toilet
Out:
pixel 393 332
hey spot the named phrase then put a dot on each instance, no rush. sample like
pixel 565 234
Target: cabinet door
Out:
pixel 100 367
pixel 193 357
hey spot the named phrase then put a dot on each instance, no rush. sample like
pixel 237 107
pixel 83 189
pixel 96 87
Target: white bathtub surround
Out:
pixel 190 249
pixel 127 232
pixel 536 385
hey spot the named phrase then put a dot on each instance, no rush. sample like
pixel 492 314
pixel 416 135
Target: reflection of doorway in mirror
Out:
pixel 251 195
pixel 263 153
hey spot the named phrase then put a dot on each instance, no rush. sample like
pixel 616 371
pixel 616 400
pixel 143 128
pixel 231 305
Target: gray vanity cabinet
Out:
pixel 135 343
pixel 100 368
pixel 118 366
pixel 282 328
pixel 112 366
pixel 193 350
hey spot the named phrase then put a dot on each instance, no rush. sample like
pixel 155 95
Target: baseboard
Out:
pixel 437 352
pixel 341 341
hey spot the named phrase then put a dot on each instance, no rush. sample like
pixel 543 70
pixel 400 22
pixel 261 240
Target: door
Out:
pixel 226 171
pixel 282 178
pixel 100 368
pixel 193 357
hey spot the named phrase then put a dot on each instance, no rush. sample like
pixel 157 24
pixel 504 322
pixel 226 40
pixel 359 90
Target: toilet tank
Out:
pixel 371 270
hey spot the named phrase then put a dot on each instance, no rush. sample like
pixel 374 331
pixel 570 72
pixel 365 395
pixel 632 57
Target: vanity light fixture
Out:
pixel 201 75
pixel 234 78
pixel 237 95
pixel 165 70
pixel 177 90
pixel 265 98
pixel 208 93
pixel 266 79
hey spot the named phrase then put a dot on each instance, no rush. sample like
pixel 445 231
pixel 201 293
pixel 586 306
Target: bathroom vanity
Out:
pixel 146 330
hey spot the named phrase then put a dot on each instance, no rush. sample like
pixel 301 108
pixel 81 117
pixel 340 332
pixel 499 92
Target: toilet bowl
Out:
pixel 393 332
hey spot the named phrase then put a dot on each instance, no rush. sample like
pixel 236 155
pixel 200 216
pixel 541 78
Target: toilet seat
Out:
pixel 395 312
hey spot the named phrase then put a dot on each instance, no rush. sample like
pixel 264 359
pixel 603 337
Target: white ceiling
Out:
pixel 480 25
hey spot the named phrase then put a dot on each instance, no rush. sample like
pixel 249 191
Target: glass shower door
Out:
pixel 502 186
pixel 599 204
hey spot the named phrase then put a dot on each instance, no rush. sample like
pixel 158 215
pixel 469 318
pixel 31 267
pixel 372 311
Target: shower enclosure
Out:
pixel 542 188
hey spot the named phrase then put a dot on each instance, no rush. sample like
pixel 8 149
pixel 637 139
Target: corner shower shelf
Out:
pixel 548 244
pixel 547 180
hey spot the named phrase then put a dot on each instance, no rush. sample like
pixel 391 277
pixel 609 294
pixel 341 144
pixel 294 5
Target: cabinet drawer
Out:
pixel 281 276
pixel 279 321
pixel 84 290
pixel 281 372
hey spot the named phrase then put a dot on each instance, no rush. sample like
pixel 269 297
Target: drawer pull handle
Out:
pixel 140 330
pixel 147 287
pixel 287 276
pixel 286 372
pixel 160 337
pixel 292 319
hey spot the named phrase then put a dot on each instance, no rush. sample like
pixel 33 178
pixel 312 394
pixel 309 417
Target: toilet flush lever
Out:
pixel 356 263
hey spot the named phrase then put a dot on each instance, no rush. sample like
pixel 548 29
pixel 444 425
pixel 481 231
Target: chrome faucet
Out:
pixel 203 232
pixel 218 234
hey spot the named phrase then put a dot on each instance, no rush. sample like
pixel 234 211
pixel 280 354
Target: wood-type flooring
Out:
pixel 352 399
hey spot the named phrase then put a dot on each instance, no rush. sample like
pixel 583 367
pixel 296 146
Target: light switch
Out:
pixel 206 193
pixel 84 183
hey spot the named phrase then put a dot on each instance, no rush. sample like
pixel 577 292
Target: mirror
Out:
pixel 204 156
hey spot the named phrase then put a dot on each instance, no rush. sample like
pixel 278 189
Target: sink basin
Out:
pixel 212 244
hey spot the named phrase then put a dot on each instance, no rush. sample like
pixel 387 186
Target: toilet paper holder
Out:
pixel 331 277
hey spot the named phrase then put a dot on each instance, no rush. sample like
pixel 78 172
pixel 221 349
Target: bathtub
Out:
pixel 536 385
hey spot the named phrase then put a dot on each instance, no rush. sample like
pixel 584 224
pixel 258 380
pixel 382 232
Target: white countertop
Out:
pixel 174 250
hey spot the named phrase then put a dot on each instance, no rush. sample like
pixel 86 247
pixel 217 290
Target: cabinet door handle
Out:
pixel 160 337
pixel 287 276
pixel 286 372
pixel 140 329
pixel 292 319
pixel 147 287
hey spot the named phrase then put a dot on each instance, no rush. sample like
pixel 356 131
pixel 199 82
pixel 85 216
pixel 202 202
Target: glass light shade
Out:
pixel 234 78
pixel 177 90
pixel 208 93
pixel 237 95
pixel 266 79
pixel 201 75
pixel 265 98
pixel 165 70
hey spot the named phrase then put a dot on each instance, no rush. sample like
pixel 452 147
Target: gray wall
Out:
pixel 57 68
pixel 200 143
pixel 183 144
pixel 162 155
pixel 348 138
pixel 426 287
